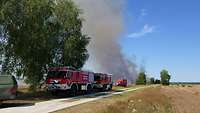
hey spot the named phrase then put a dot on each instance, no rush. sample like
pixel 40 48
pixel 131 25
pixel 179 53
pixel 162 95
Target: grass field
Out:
pixel 143 101
pixel 162 99
pixel 182 98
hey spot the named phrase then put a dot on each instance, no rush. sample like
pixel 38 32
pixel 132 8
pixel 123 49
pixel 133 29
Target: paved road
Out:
pixel 57 104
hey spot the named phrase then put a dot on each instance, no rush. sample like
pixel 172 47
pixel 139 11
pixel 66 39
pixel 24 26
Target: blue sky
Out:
pixel 164 34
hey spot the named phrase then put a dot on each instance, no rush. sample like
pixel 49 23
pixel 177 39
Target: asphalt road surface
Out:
pixel 57 104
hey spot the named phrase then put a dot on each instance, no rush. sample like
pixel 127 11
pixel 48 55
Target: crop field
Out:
pixel 161 99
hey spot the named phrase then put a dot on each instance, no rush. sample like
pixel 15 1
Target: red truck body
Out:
pixel 122 82
pixel 103 81
pixel 65 78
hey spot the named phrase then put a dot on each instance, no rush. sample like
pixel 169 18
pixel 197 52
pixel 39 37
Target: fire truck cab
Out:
pixel 102 81
pixel 122 82
pixel 68 79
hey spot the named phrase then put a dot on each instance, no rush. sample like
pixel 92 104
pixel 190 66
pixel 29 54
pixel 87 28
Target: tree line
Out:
pixel 37 34
pixel 164 78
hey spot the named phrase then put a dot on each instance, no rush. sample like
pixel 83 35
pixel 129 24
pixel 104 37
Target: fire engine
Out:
pixel 121 82
pixel 70 79
pixel 102 81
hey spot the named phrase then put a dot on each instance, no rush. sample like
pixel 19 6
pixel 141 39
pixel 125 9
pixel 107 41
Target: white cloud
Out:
pixel 145 30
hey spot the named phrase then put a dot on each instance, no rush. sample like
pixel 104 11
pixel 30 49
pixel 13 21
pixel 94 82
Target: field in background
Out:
pixel 184 98
pixel 162 99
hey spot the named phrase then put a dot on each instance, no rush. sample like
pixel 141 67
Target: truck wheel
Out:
pixel 89 89
pixel 54 93
pixel 125 85
pixel 104 87
pixel 110 87
pixel 74 90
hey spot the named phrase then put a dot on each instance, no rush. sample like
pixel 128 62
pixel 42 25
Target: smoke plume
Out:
pixel 103 22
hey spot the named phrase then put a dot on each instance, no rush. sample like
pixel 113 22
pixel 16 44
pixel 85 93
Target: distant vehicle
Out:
pixel 69 79
pixel 8 87
pixel 122 82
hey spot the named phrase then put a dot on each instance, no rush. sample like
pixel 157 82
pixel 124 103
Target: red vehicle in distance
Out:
pixel 122 82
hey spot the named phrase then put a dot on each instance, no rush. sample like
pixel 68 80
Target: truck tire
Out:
pixel 105 87
pixel 110 87
pixel 89 89
pixel 54 93
pixel 74 90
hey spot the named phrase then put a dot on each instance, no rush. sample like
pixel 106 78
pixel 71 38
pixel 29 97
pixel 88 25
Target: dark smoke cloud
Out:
pixel 104 24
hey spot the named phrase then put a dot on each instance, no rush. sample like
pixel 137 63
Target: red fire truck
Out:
pixel 122 82
pixel 102 81
pixel 69 79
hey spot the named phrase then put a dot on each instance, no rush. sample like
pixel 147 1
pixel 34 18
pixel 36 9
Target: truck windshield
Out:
pixel 56 74
pixel 97 77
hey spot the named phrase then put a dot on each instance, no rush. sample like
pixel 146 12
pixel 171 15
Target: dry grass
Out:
pixel 184 99
pixel 115 88
pixel 149 100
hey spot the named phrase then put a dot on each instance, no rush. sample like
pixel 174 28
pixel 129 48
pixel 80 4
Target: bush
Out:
pixel 157 81
pixel 141 80
pixel 152 80
pixel 165 77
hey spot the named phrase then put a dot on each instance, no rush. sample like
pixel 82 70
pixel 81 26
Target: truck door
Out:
pixel 91 77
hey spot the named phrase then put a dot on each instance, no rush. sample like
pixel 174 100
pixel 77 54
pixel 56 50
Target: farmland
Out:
pixel 162 99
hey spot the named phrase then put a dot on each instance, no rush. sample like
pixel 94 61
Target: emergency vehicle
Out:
pixel 70 79
pixel 102 81
pixel 122 82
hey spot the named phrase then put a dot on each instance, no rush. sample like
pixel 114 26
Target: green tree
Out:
pixel 141 80
pixel 152 80
pixel 165 77
pixel 157 81
pixel 37 34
